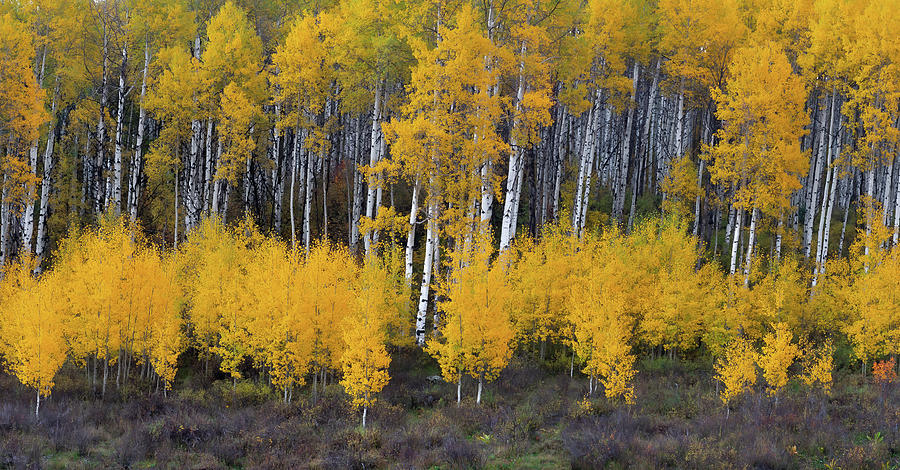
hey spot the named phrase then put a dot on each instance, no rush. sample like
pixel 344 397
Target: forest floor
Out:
pixel 533 416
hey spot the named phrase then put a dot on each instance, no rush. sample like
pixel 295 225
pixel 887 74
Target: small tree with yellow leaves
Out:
pixel 736 370
pixel 818 362
pixel 601 323
pixel 778 354
pixel 31 329
pixel 366 329
pixel 477 334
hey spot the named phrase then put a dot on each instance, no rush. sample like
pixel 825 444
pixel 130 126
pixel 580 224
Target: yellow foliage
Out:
pixel 737 369
pixel 778 354
pixel 817 366
pixel 601 322
pixel 758 147
pixel 476 331
pixel 542 277
pixel 32 329
pixel 366 331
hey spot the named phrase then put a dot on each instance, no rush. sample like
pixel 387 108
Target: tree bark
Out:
pixel 373 181
pixel 751 241
pixel 46 182
pixel 735 238
pixel 815 179
pixel 28 215
pixel 115 192
pixel 431 237
pixel 411 235
pixel 137 161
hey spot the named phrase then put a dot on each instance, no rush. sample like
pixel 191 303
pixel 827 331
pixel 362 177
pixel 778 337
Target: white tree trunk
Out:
pixel 828 196
pixel 815 180
pixel 431 236
pixel 40 241
pixel 4 218
pixel 28 215
pixel 309 167
pixel 679 123
pixel 373 181
pixel 357 189
pixel 99 199
pixel 870 192
pixel 478 396
pixel 514 173
pixel 411 235
pixel 295 163
pixel 625 157
pixel 134 189
pixel 896 235
pixel 584 171
pixel 116 191
pixel 735 238
pixel 751 241
pixel 208 174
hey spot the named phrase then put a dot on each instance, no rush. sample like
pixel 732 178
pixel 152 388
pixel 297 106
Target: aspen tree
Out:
pixel 542 278
pixel 778 354
pixel 758 146
pixel 305 72
pixel 447 132
pixel 736 369
pixel 328 272
pixel 366 331
pixel 22 114
pixel 477 336
pixel 601 322
pixel 32 330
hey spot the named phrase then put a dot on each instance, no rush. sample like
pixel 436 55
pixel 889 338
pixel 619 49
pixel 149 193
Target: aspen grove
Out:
pixel 298 190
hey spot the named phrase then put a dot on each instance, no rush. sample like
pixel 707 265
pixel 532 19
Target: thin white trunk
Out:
pixel 486 210
pixel 584 172
pixel 751 241
pixel 735 238
pixel 357 189
pixel 815 180
pixel 427 265
pixel 116 191
pixel 101 131
pixel 828 198
pixel 624 159
pixel 137 159
pixel 886 194
pixel 4 217
pixel 778 239
pixel 679 122
pixel 295 162
pixel 40 241
pixel 697 199
pixel 309 167
pixel 175 220
pixel 28 215
pixel 514 173
pixel 208 174
pixel 896 235
pixel 478 396
pixel 373 180
pixel 870 192
pixel 411 235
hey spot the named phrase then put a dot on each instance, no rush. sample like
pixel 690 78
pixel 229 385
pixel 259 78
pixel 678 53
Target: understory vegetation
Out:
pixel 533 416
